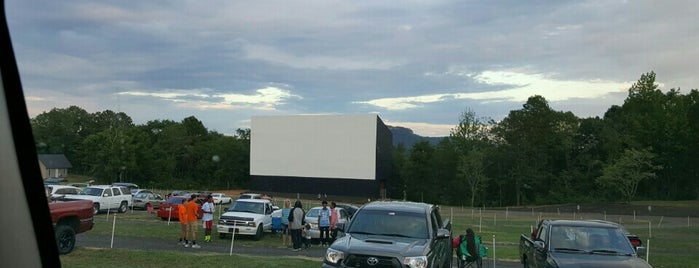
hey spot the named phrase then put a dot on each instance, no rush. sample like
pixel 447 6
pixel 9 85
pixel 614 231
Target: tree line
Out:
pixel 647 148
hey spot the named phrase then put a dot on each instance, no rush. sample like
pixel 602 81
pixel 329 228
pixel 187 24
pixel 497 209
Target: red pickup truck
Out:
pixel 70 218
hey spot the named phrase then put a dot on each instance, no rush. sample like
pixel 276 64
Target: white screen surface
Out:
pixel 321 146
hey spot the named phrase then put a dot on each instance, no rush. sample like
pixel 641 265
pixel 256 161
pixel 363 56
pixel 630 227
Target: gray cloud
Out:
pixel 342 57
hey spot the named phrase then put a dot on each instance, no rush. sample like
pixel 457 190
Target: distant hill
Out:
pixel 407 137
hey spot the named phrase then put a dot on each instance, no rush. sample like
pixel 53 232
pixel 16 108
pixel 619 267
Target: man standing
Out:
pixel 208 218
pixel 192 211
pixel 324 224
pixel 296 223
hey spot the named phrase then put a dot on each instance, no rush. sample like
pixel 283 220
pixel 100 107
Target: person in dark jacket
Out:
pixel 296 223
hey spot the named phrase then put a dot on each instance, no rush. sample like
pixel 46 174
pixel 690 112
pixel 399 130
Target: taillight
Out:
pixel 635 242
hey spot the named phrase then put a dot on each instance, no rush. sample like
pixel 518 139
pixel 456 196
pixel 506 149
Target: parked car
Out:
pixel 576 243
pixel 131 186
pixel 57 191
pixel 250 196
pixel 145 198
pixel 393 234
pixel 81 185
pixel 246 217
pixel 134 192
pixel 168 209
pixel 54 180
pixel 106 197
pixel 351 209
pixel 220 198
pixel 70 218
pixel 312 219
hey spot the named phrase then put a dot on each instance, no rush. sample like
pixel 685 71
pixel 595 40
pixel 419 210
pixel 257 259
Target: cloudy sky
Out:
pixel 417 64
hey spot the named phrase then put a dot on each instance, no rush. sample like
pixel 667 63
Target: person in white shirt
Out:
pixel 208 218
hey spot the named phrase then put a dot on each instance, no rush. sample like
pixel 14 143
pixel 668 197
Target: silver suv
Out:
pixel 393 234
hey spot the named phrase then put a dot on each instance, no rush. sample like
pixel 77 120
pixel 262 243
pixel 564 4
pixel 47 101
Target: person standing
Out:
pixel 208 218
pixel 296 223
pixel 182 217
pixel 334 218
pixel 285 222
pixel 192 211
pixel 324 223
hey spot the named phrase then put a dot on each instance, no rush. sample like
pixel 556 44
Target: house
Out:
pixel 347 155
pixel 54 165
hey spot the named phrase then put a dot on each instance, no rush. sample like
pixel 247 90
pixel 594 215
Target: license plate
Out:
pixel 231 230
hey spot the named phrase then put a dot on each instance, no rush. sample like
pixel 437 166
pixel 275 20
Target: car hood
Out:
pixel 242 215
pixel 586 260
pixel 386 245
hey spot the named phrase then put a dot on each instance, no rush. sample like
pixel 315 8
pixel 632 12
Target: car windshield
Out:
pixel 92 191
pixel 602 240
pixel 390 223
pixel 141 195
pixel 250 207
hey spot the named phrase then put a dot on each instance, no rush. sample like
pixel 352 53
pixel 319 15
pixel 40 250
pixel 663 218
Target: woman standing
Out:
pixel 285 221
pixel 296 223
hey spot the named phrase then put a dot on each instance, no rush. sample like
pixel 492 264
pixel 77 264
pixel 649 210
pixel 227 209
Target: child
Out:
pixel 307 236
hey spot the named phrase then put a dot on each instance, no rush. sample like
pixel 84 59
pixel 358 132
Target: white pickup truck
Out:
pixel 246 217
pixel 106 197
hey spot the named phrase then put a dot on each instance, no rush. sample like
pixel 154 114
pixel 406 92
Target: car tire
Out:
pixel 258 234
pixel 96 208
pixel 65 239
pixel 123 207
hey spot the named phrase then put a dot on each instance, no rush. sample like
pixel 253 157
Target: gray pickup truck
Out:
pixel 393 234
pixel 569 243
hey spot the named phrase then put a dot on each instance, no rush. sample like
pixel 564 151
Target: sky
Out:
pixel 417 64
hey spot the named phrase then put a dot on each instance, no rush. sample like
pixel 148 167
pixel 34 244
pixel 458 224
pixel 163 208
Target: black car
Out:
pixel 393 234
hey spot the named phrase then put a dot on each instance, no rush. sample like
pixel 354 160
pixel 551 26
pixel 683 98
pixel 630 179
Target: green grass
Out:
pixel 105 258
pixel 673 241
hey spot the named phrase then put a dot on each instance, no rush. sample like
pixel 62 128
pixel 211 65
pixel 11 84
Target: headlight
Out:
pixel 334 256
pixel 416 262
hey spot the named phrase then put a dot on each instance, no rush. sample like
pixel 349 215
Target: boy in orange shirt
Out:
pixel 182 216
pixel 192 211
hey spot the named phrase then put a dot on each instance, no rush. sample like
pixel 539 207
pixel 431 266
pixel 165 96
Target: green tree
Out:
pixel 625 173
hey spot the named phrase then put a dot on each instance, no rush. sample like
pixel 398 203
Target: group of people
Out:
pixel 188 214
pixel 295 226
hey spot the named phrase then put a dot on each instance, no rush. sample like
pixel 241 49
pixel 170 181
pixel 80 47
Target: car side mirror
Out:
pixel 539 245
pixel 105 195
pixel 443 233
pixel 641 251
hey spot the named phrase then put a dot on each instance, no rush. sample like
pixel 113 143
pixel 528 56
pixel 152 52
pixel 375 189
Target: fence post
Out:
pixel 111 244
pixel 493 251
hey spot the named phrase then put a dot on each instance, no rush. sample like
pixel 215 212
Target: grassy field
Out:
pixel 671 241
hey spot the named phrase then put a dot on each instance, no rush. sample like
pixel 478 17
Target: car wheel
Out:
pixel 221 235
pixel 259 233
pixel 65 239
pixel 95 208
pixel 123 207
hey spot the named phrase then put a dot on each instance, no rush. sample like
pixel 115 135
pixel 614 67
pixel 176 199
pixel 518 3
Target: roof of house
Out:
pixel 54 161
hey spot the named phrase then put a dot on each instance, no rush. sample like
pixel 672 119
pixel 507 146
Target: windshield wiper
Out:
pixel 609 251
pixel 570 249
